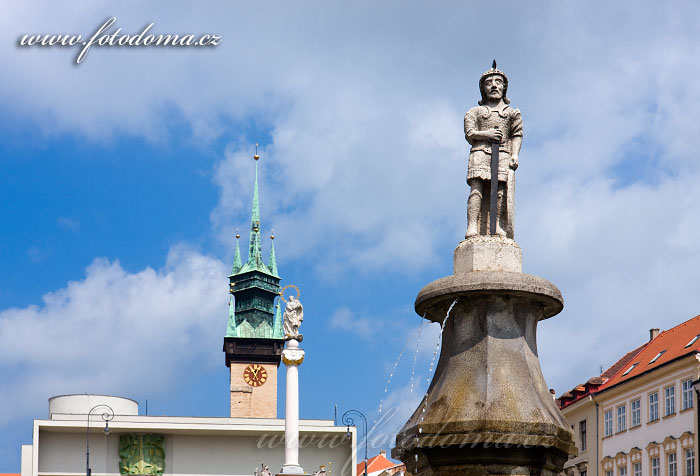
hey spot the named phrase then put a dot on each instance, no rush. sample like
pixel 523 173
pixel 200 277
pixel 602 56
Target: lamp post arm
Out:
pixel 349 421
pixel 107 415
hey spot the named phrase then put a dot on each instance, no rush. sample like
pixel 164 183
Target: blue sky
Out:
pixel 123 181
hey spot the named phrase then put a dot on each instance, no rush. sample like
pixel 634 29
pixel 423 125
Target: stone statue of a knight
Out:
pixel 492 121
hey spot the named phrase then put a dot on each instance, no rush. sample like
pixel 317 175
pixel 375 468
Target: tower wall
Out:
pixel 253 402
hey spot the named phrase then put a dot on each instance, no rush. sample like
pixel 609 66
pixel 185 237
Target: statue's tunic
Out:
pixel 480 118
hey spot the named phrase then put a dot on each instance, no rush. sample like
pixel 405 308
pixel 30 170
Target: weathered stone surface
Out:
pixel 492 126
pixel 488 253
pixel 488 400
pixel 436 297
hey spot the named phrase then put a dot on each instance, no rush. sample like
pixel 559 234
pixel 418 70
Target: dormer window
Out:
pixel 692 341
pixel 633 366
pixel 657 356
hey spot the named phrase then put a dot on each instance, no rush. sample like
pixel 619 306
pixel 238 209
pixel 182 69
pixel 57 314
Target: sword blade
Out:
pixel 494 188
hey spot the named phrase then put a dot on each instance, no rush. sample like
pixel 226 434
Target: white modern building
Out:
pixel 174 445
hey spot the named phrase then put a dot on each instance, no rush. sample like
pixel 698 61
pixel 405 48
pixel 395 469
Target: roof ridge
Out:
pixel 615 368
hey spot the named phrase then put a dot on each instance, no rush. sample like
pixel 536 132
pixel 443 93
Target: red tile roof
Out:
pixel 672 344
pixel 376 463
pixel 595 383
pixel 622 363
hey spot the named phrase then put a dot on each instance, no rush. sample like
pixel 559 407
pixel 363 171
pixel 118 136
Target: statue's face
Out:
pixel 493 86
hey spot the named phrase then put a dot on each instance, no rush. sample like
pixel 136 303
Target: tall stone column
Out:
pixel 292 357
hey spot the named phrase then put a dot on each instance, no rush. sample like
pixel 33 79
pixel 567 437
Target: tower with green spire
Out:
pixel 254 337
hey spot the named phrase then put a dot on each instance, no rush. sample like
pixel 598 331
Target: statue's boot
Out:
pixel 499 210
pixel 473 208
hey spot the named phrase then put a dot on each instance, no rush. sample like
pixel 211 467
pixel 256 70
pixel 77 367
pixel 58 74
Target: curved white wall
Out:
pixel 81 404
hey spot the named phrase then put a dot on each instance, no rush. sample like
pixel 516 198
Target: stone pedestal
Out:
pixel 292 357
pixel 488 253
pixel 488 410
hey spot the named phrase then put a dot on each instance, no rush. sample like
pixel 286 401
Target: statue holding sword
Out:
pixel 495 132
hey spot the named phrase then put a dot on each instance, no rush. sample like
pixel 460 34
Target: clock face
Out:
pixel 255 375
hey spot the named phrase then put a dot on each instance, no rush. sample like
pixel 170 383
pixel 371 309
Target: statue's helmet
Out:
pixel 491 72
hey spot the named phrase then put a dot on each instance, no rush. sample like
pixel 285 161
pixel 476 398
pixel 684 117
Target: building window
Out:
pixel 621 418
pixel 687 394
pixel 608 473
pixel 670 399
pixel 582 434
pixel 583 473
pixel 654 406
pixel 637 469
pixel 689 461
pixel 622 471
pixel 655 467
pixel 608 423
pixel 672 466
pixel 635 413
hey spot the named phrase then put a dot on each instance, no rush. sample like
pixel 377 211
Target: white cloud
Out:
pixel 113 332
pixel 365 170
pixel 344 319
pixel 69 224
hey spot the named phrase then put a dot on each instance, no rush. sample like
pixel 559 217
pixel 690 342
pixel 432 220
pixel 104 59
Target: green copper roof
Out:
pixel 272 263
pixel 255 216
pixel 255 262
pixel 236 259
pixel 277 331
pixel 231 330
pixel 255 286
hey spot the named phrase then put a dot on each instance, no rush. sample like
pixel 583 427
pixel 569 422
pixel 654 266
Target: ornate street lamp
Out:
pixel 107 415
pixel 348 420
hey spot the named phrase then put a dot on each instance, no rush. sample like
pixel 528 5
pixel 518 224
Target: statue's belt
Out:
pixel 487 149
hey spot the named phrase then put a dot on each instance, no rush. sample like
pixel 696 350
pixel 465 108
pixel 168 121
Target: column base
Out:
pixel 292 470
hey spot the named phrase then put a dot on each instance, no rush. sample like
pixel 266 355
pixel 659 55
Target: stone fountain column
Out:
pixel 488 410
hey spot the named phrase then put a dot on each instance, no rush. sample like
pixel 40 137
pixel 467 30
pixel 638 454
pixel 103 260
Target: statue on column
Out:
pixel 493 122
pixel 293 317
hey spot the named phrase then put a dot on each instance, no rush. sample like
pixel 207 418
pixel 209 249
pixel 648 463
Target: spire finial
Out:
pixel 238 234
pixel 493 66
pixel 272 234
pixel 257 157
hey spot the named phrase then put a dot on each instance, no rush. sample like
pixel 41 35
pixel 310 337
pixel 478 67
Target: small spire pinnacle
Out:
pixel 277 330
pixel 272 262
pixel 493 66
pixel 257 157
pixel 231 328
pixel 237 265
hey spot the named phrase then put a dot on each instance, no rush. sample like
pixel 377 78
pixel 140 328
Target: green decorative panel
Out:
pixel 141 454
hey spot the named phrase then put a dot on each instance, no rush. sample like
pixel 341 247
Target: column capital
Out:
pixel 292 356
